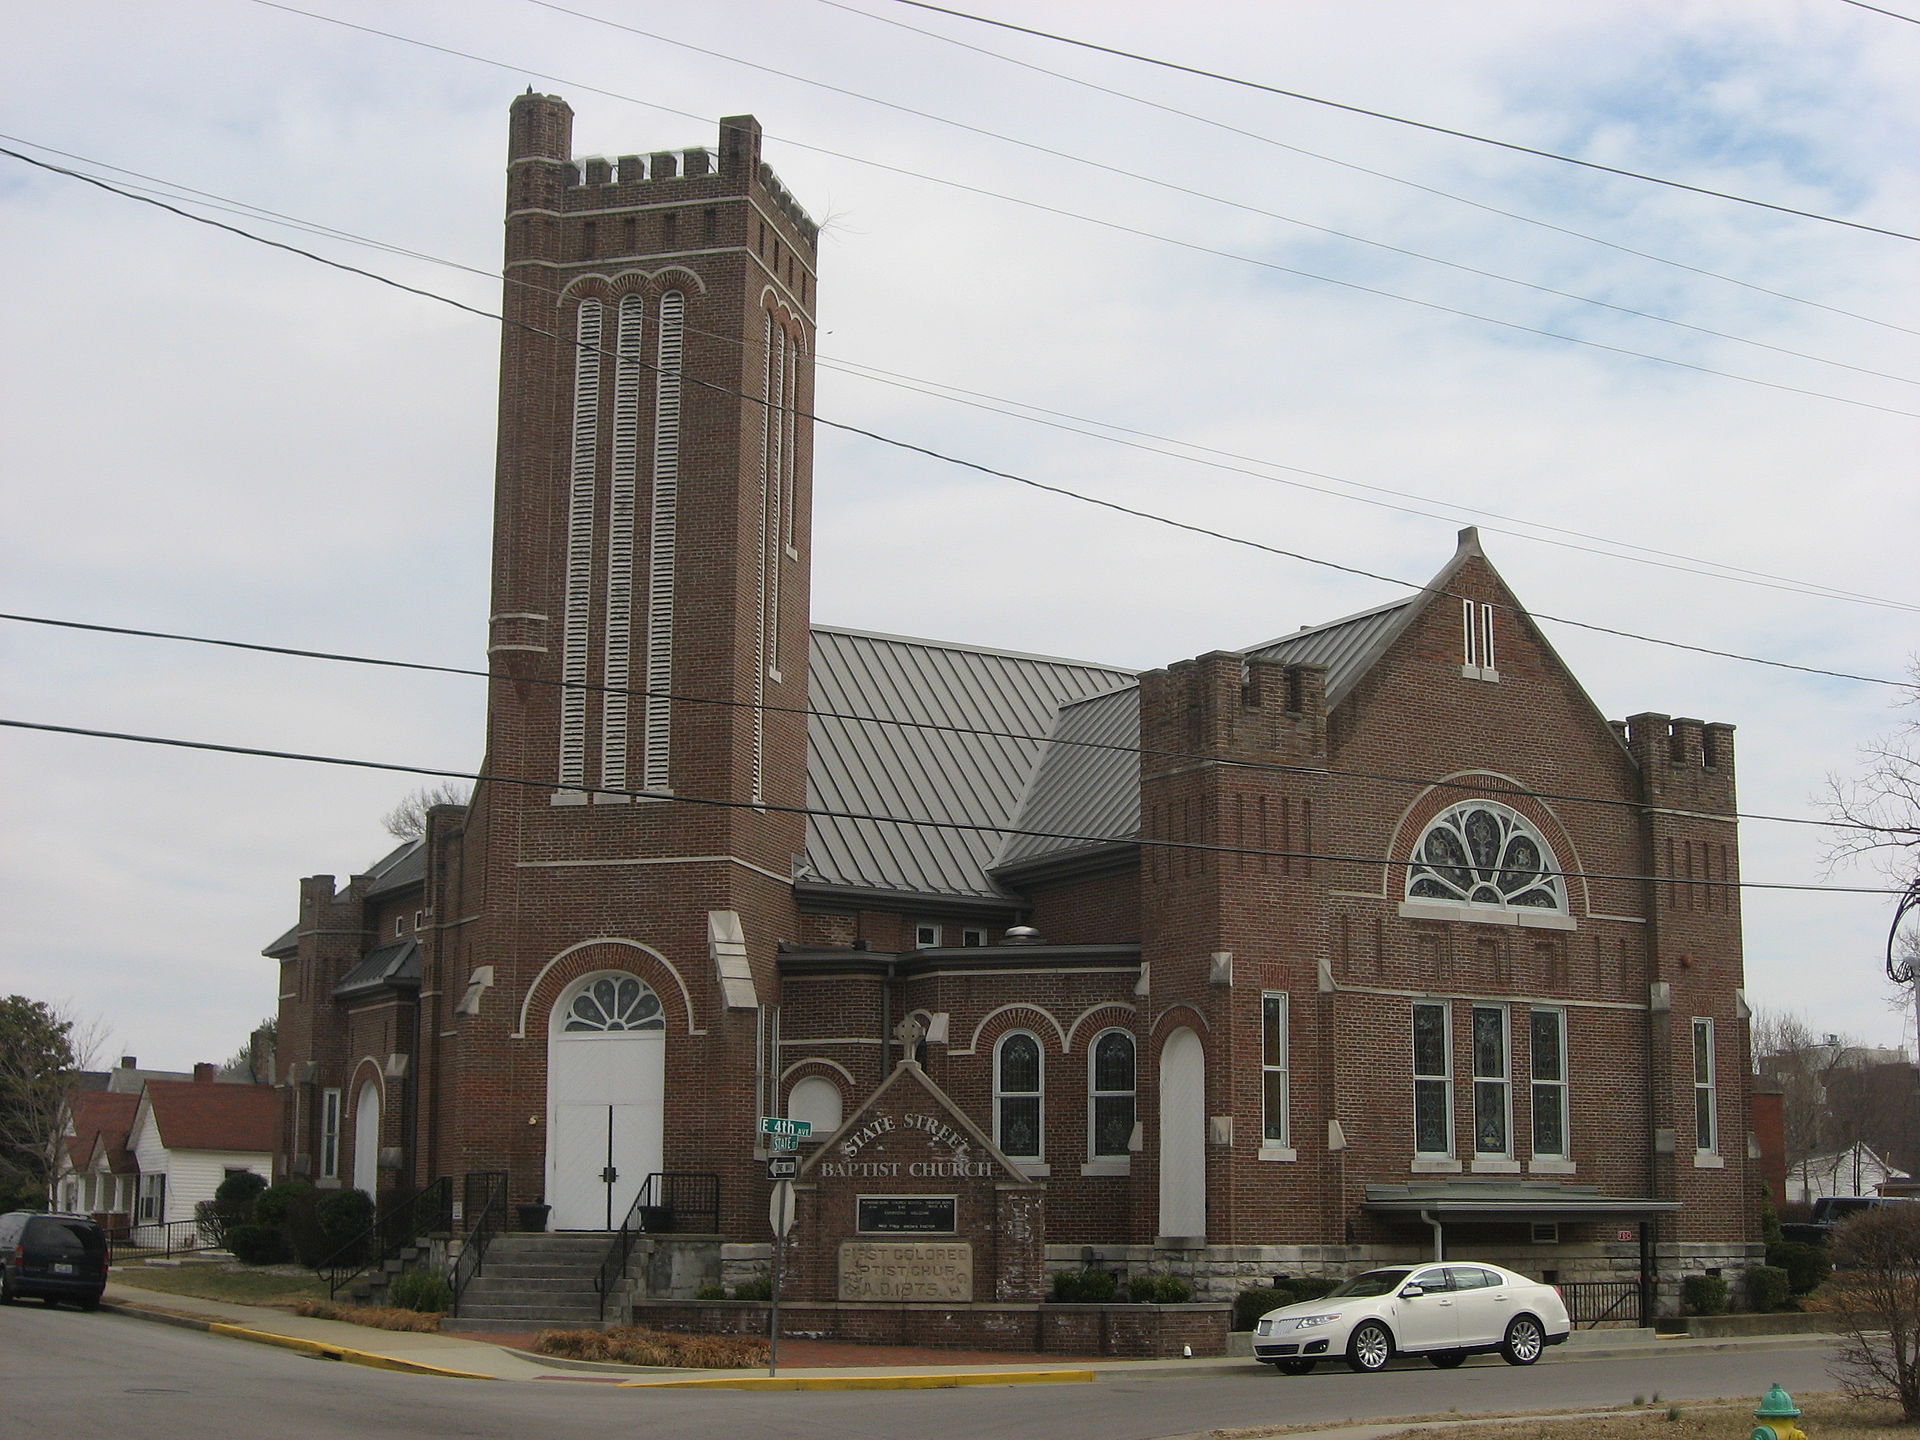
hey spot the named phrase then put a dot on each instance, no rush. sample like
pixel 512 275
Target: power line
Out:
pixel 927 726
pixel 1890 14
pixel 824 813
pixel 1240 205
pixel 1359 169
pixel 1115 434
pixel 1116 226
pixel 927 452
pixel 1517 149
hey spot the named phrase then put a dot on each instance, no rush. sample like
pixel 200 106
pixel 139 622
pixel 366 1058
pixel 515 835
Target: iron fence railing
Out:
pixel 670 1201
pixel 484 1212
pixel 164 1237
pixel 1596 1302
pixel 400 1224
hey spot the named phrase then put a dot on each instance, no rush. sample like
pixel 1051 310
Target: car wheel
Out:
pixel 1448 1359
pixel 90 1303
pixel 1524 1341
pixel 1295 1367
pixel 1370 1348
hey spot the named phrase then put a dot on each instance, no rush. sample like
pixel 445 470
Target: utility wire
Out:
pixel 1194 193
pixel 1254 135
pixel 927 452
pixel 1891 15
pixel 824 813
pixel 1415 124
pixel 1189 452
pixel 1115 226
pixel 934 727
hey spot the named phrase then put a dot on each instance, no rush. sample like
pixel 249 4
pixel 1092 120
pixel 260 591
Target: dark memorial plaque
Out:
pixel 907 1214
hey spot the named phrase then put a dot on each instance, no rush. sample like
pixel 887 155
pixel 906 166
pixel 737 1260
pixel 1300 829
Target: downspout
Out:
pixel 1439 1237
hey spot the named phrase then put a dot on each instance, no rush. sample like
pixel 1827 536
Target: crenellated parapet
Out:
pixel 1684 763
pixel 1224 706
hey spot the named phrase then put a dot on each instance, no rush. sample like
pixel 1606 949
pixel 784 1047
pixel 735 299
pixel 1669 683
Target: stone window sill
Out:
pixel 1436 1166
pixel 1486 914
pixel 1278 1152
pixel 1495 1165
pixel 1552 1167
pixel 1106 1165
pixel 1707 1160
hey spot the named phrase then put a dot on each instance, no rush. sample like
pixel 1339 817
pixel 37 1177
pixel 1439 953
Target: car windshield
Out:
pixel 1374 1282
pixel 68 1237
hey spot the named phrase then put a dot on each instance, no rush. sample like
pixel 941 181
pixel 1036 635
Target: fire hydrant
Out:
pixel 1778 1412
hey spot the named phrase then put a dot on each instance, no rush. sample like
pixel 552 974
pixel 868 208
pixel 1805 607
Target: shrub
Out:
pixel 636 1345
pixel 232 1205
pixel 758 1288
pixel 342 1217
pixel 1769 1287
pixel 259 1244
pixel 274 1203
pixel 1154 1289
pixel 1250 1305
pixel 1874 1296
pixel 1704 1294
pixel 1085 1287
pixel 1806 1265
pixel 711 1292
pixel 425 1290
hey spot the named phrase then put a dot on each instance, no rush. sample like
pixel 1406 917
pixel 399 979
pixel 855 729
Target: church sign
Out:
pixel 915 1214
pixel 880 1270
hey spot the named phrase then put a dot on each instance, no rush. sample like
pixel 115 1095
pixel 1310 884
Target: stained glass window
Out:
pixel 1017 1096
pixel 616 1002
pixel 1482 853
pixel 1112 1094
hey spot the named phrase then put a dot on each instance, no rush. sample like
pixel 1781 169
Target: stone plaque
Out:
pixel 940 1271
pixel 907 1214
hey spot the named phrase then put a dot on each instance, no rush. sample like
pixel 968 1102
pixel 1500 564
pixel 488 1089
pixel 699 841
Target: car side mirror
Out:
pixel 1413 1292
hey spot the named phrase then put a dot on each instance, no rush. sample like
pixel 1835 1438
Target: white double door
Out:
pixel 605 1116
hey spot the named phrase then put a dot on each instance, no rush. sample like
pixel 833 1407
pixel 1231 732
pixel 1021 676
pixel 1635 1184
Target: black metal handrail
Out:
pixel 399 1226
pixel 484 1208
pixel 1593 1302
pixel 169 1237
pixel 669 1201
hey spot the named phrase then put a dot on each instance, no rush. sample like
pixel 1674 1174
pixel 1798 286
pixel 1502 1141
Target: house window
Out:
pixel 399 926
pixel 816 1100
pixel 1432 1080
pixel 1016 1096
pixel 1549 1083
pixel 1484 853
pixel 1705 1134
pixel 1273 1070
pixel 330 1134
pixel 1112 1094
pixel 973 937
pixel 153 1199
pixel 418 916
pixel 926 934
pixel 1476 634
pixel 1492 1093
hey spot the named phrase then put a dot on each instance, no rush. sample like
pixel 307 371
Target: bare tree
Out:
pixel 1875 1295
pixel 1879 807
pixel 408 819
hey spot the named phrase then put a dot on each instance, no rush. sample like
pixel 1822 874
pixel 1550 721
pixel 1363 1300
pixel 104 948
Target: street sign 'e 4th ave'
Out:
pixel 779 1125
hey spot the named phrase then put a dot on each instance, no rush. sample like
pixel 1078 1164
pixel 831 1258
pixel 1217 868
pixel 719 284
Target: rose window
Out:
pixel 1481 853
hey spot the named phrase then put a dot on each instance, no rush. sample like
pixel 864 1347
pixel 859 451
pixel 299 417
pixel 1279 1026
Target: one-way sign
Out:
pixel 783 1167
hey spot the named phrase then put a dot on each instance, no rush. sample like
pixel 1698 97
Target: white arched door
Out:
pixel 606 1093
pixel 366 1138
pixel 1183 1136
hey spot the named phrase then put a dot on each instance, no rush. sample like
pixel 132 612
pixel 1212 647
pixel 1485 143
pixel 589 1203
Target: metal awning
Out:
pixel 1494 1201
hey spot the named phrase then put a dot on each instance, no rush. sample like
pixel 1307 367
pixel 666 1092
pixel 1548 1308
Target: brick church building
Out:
pixel 1374 938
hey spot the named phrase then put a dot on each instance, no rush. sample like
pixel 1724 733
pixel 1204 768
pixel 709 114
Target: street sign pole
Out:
pixel 780 1217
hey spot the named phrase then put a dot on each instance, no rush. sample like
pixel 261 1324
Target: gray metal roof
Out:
pixel 1345 649
pixel 1087 783
pixel 397 964
pixel 863 767
pixel 404 865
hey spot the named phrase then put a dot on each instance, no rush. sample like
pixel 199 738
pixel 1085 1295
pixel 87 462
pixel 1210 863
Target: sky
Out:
pixel 1671 415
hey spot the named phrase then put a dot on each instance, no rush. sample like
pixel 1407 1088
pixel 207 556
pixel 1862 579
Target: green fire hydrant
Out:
pixel 1778 1412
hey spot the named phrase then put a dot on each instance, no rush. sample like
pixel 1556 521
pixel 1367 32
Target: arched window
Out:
pixel 1110 1085
pixel 615 1002
pixel 1017 1096
pixel 816 1100
pixel 1483 853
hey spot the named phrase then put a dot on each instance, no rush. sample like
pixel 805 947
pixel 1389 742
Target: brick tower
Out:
pixel 648 641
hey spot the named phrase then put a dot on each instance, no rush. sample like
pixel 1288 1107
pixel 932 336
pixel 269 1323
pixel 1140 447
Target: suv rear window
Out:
pixel 67 1237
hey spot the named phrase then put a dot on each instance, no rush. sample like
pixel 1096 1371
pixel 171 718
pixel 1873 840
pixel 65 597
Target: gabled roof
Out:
pixel 942 772
pixel 212 1115
pixel 1345 649
pixel 94 1116
pixel 403 866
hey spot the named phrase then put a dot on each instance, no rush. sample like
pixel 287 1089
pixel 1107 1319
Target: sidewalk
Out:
pixel 804 1364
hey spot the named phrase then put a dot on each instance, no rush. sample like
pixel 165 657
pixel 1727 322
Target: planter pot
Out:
pixel 533 1218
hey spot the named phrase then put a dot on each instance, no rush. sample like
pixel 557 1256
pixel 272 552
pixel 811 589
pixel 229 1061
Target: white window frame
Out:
pixel 1118 1162
pixel 399 926
pixel 1706 1092
pixel 927 928
pixel 1486 1083
pixel 1476 636
pixel 330 1134
pixel 153 1198
pixel 1442 1078
pixel 1557 1088
pixel 1276 1131
pixel 973 937
pixel 1038 1095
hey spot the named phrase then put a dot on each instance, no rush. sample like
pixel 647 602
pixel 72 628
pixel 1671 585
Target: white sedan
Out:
pixel 1444 1312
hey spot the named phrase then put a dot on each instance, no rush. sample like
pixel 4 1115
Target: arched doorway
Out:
pixel 366 1138
pixel 1183 1135
pixel 606 1092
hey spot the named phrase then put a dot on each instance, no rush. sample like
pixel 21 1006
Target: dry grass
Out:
pixel 635 1345
pixel 248 1284
pixel 379 1317
pixel 1826 1417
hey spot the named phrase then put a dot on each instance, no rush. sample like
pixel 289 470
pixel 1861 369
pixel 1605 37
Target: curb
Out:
pixel 321 1350
pixel 939 1381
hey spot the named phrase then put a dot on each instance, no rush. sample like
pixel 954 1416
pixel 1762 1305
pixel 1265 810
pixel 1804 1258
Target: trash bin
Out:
pixel 533 1218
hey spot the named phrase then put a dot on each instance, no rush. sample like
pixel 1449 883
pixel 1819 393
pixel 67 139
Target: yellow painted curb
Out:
pixel 321 1350
pixel 870 1382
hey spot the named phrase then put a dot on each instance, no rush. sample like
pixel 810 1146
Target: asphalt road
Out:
pixel 64 1374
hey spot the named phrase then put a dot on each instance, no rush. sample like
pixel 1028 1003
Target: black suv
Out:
pixel 56 1257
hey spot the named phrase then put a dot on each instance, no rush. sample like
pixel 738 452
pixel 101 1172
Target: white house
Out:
pixel 1853 1171
pixel 187 1136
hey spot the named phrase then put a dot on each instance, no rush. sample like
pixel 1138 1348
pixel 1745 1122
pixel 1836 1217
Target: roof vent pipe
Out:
pixel 1020 935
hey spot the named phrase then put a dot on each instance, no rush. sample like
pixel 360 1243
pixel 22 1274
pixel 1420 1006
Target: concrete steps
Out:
pixel 531 1282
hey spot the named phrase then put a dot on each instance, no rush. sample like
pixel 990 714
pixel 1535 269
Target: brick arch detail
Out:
pixel 799 1070
pixel 1490 785
pixel 784 314
pixel 1024 1007
pixel 650 283
pixel 1131 1013
pixel 606 953
pixel 1175 1015
pixel 355 1084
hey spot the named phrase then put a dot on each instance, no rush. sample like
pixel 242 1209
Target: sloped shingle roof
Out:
pixel 213 1115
